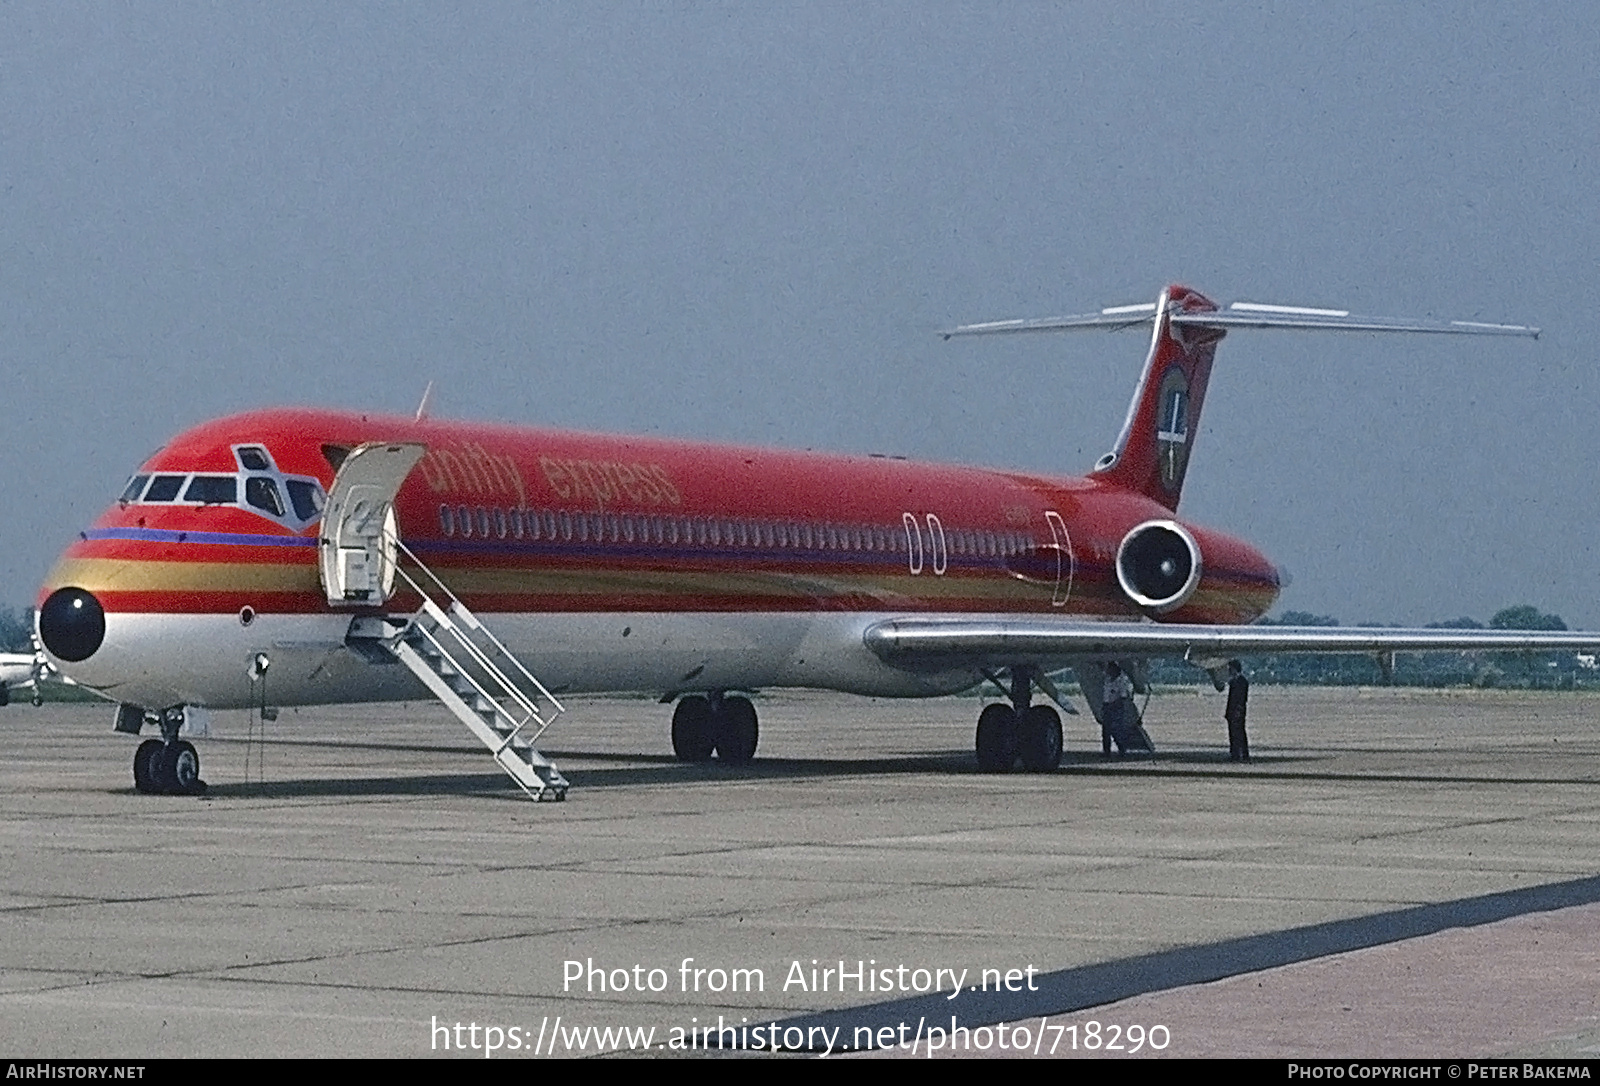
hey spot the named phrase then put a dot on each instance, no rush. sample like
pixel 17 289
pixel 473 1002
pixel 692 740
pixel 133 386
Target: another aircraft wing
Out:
pixel 929 643
pixel 17 668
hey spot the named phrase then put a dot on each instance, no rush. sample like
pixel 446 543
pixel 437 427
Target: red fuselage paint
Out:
pixel 537 521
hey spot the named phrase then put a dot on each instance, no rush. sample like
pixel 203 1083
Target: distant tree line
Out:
pixel 1515 670
pixel 16 630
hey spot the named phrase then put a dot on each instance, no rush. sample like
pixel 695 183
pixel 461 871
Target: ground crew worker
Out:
pixel 1116 696
pixel 1238 697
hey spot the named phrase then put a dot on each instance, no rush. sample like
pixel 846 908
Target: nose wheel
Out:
pixel 144 779
pixel 168 766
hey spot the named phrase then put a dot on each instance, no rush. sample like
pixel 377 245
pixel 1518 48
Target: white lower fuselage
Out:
pixel 159 660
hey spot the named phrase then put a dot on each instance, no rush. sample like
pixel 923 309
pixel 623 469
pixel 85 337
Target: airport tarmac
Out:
pixel 1399 873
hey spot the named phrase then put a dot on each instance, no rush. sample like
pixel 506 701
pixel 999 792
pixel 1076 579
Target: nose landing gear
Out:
pixel 169 765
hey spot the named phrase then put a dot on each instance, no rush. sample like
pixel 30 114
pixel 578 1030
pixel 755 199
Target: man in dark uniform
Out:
pixel 1115 699
pixel 1238 696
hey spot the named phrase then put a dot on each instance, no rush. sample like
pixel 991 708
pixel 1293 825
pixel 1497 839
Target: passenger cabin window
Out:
pixel 164 488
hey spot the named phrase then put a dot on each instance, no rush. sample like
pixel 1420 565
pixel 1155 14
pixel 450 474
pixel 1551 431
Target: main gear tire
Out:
pixel 737 731
pixel 996 741
pixel 1039 739
pixel 692 737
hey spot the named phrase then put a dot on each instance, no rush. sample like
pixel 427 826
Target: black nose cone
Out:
pixel 72 624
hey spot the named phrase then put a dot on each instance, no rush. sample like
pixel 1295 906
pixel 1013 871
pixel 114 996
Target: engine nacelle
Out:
pixel 1158 565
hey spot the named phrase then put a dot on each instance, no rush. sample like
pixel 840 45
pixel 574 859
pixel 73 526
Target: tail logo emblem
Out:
pixel 1172 431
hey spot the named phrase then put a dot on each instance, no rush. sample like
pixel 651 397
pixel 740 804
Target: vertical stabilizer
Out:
pixel 1152 453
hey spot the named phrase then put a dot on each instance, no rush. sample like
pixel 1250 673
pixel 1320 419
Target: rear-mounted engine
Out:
pixel 1158 565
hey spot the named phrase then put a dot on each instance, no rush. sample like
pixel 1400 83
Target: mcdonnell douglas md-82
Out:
pixel 298 557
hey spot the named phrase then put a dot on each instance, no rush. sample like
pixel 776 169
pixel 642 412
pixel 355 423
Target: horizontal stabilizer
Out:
pixel 1245 315
pixel 1256 315
pixel 1121 316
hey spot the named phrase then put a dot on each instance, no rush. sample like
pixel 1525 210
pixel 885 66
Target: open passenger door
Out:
pixel 356 543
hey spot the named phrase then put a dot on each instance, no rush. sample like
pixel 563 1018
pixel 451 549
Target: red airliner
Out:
pixel 298 557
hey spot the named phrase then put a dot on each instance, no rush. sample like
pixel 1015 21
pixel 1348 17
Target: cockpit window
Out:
pixel 134 488
pixel 252 458
pixel 306 497
pixel 213 490
pixel 164 488
pixel 263 494
pixel 259 487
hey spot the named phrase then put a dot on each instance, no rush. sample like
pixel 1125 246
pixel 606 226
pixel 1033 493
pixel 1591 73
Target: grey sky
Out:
pixel 746 222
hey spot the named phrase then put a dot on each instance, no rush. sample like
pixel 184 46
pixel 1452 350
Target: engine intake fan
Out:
pixel 1158 565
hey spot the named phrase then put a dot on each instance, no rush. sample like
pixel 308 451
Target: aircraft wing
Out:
pixel 927 643
pixel 17 668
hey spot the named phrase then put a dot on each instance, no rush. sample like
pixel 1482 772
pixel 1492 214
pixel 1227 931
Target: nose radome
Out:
pixel 72 624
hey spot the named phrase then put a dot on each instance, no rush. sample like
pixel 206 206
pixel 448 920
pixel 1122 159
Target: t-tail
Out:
pixel 1152 452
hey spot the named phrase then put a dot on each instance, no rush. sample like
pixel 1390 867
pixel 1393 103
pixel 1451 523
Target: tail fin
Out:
pixel 1152 452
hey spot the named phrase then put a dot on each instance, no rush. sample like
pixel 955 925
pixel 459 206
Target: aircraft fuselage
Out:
pixel 614 563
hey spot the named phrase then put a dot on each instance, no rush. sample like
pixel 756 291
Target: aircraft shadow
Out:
pixel 1204 764
pixel 1070 990
pixel 633 769
pixel 659 769
pixel 488 785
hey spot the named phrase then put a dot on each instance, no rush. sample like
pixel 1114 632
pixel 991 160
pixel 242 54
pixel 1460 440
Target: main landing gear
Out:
pixel 725 726
pixel 1019 732
pixel 169 765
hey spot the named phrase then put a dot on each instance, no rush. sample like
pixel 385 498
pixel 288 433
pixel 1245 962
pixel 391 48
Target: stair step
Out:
pixel 495 701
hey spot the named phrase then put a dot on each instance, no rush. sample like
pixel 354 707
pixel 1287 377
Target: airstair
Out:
pixel 455 655
pixel 476 677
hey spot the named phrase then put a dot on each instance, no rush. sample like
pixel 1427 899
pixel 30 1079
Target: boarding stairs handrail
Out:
pixel 446 619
